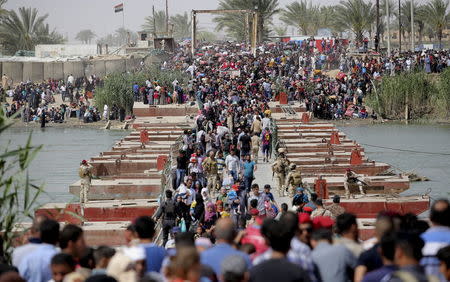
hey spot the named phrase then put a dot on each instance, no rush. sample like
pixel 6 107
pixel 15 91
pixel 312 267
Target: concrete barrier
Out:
pixel 33 71
pixel 99 68
pixel 14 70
pixel 132 64
pixel 76 68
pixel 115 66
pixel 53 70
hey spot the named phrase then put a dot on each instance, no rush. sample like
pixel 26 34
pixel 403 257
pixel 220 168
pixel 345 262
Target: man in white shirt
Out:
pixel 233 165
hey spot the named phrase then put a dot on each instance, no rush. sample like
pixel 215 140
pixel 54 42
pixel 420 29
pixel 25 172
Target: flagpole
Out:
pixel 123 17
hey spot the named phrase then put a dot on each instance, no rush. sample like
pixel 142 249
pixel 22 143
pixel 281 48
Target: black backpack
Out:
pixel 169 208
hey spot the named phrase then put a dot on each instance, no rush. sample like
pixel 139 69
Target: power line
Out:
pixel 405 150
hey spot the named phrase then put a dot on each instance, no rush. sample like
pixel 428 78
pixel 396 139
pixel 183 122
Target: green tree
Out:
pixel 24 30
pixel 234 24
pixel 356 16
pixel 303 16
pixel 3 12
pixel 206 36
pixel 117 88
pixel 157 25
pixel 18 195
pixel 123 35
pixel 279 30
pixel 85 36
pixel 436 17
pixel 419 24
pixel 181 25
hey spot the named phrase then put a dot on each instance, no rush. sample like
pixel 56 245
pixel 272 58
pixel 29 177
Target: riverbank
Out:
pixel 71 123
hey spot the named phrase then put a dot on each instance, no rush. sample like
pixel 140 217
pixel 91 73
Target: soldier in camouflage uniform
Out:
pixel 293 180
pixel 280 168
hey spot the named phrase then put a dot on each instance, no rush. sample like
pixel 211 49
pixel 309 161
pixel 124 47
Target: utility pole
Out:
pixel 388 23
pixel 167 17
pixel 399 26
pixel 412 25
pixel 377 35
pixel 194 35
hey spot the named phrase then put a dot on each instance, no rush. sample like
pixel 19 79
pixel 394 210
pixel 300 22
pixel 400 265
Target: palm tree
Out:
pixel 3 12
pixel 436 17
pixel 280 30
pixel 356 16
pixel 182 25
pixel 24 30
pixel 124 35
pixel 206 36
pixel 235 24
pixel 85 36
pixel 418 18
pixel 156 25
pixel 302 16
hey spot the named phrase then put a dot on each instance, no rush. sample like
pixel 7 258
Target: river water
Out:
pixel 421 138
pixel 57 164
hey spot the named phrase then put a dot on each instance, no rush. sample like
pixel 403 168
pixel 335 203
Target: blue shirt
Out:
pixel 36 266
pixel 248 168
pixel 380 273
pixel 154 256
pixel 214 256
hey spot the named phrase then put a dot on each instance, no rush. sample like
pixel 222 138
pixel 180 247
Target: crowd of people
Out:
pixel 35 102
pixel 218 223
pixel 294 246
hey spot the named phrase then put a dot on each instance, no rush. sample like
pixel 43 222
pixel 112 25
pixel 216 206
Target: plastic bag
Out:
pixel 182 225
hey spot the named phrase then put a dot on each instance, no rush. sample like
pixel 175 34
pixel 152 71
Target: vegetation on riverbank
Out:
pixel 414 95
pixel 18 193
pixel 118 87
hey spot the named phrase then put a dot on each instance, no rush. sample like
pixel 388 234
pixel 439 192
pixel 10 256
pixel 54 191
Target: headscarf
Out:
pixel 210 214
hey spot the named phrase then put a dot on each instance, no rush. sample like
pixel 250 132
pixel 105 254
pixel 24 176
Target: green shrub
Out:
pixel 118 87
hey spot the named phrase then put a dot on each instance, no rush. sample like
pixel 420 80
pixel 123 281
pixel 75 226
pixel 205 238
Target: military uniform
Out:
pixel 351 179
pixel 293 180
pixel 85 173
pixel 280 168
pixel 211 169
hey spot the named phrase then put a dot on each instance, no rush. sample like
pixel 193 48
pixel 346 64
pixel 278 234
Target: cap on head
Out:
pixel 84 162
pixel 281 150
pixel 300 189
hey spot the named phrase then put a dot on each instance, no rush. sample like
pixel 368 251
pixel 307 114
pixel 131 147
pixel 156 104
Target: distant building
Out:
pixel 63 50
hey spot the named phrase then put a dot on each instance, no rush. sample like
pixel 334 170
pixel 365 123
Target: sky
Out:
pixel 70 16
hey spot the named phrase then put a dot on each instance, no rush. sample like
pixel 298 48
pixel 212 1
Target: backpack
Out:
pixel 169 208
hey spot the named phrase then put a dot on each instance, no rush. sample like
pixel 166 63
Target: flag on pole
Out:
pixel 118 8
